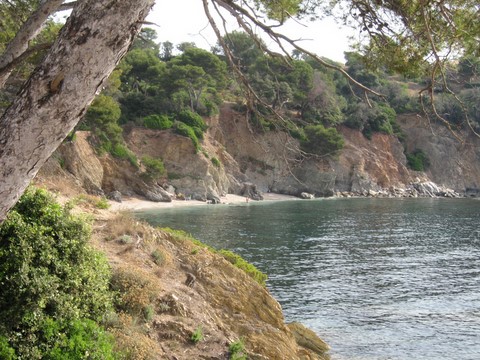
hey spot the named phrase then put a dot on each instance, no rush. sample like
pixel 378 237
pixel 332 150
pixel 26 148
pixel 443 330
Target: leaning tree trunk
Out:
pixel 92 42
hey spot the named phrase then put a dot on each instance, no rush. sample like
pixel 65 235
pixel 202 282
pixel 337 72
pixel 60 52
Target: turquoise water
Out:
pixel 375 278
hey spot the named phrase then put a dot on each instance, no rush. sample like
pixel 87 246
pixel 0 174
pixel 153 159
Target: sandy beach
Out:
pixel 141 204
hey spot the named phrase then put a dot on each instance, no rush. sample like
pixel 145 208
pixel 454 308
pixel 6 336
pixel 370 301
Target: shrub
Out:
pixel 183 129
pixel 6 351
pixel 215 162
pixel 249 269
pixel 122 152
pixel 102 203
pixel 137 290
pixel 237 351
pixel 158 257
pixel 322 141
pixel 197 335
pixel 418 160
pixel 192 119
pixel 75 339
pixel 148 313
pixel 48 271
pixel 158 122
pixel 154 168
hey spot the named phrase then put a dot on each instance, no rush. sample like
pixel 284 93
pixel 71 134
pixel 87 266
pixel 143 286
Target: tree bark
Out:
pixel 92 42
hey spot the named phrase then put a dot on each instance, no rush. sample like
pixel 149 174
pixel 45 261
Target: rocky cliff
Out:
pixel 233 157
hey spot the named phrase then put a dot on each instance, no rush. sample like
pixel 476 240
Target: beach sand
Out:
pixel 134 204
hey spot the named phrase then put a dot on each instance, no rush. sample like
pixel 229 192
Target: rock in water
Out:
pixel 308 339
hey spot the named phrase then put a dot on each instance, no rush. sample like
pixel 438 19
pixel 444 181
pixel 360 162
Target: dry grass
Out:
pixel 135 345
pixel 138 289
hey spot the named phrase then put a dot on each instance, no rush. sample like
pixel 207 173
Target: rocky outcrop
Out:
pixel 250 191
pixel 192 173
pixel 454 159
pixel 81 161
pixel 307 339
pixel 195 288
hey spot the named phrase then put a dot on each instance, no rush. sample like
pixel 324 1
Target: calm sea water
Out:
pixel 375 278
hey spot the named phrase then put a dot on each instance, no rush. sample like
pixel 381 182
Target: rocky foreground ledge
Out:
pixel 184 300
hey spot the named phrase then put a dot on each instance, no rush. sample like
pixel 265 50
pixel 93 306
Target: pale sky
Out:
pixel 184 20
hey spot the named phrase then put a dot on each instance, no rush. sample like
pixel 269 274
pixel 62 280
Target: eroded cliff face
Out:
pixel 272 161
pixel 454 161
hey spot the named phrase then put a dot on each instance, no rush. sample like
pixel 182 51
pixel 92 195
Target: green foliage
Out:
pixel 120 151
pixel 215 162
pixel 197 335
pixel 369 119
pixel 6 351
pixel 158 257
pixel 148 313
pixel 398 98
pixel 184 236
pixel 279 10
pixel 418 160
pixel 237 350
pixel 102 203
pixel 102 117
pixel 469 66
pixel 322 141
pixel 158 122
pixel 192 119
pixel 244 48
pixel 448 106
pixel 77 340
pixel 240 263
pixel 53 284
pixel 154 168
pixel 184 130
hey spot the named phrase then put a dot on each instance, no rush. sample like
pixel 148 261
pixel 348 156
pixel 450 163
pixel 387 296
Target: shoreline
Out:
pixel 134 203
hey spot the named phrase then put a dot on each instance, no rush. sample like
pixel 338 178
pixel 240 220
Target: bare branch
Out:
pixel 30 51
pixel 27 32
pixel 237 12
pixel 67 6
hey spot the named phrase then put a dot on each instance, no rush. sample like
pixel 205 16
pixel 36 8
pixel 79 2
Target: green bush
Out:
pixel 158 257
pixel 192 119
pixel 154 168
pixel 158 122
pixel 237 351
pixel 418 160
pixel 215 162
pixel 78 339
pixel 6 351
pixel 322 141
pixel 185 130
pixel 122 152
pixel 197 335
pixel 52 282
pixel 102 203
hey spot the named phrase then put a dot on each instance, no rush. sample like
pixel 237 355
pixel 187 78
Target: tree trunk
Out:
pixel 90 45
